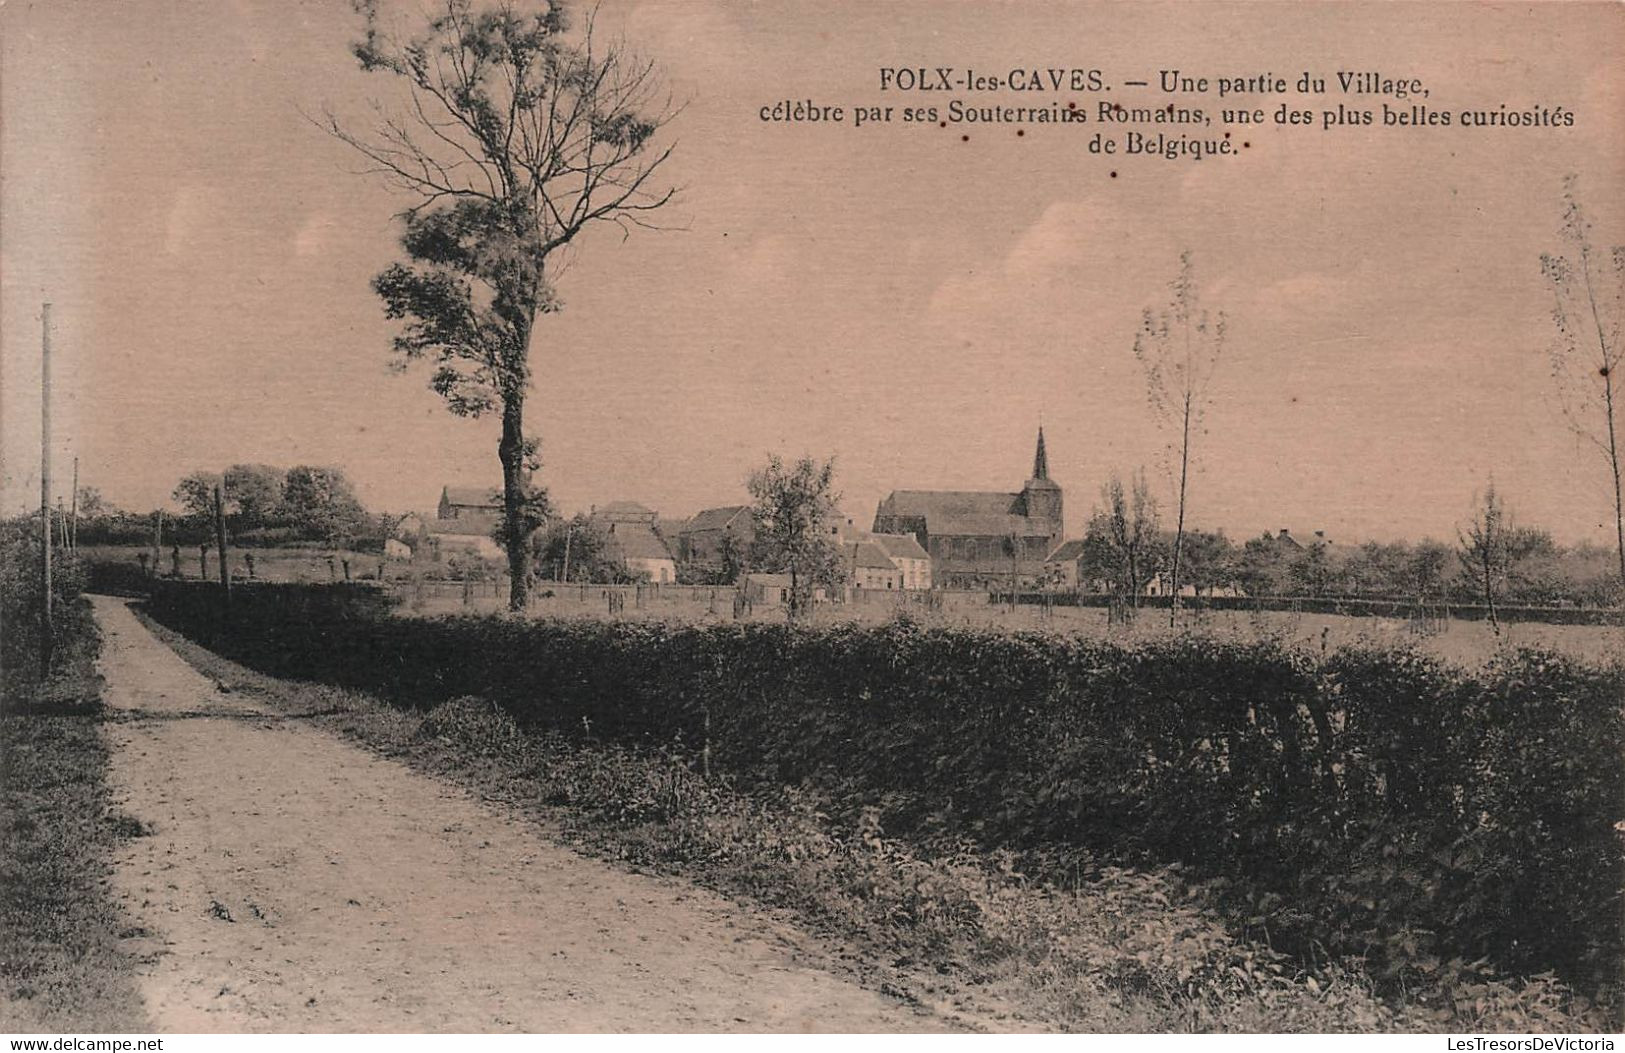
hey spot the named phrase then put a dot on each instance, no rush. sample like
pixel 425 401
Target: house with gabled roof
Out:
pixel 630 530
pixel 470 502
pixel 702 538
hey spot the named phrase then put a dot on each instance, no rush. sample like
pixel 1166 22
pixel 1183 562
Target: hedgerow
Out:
pixel 1373 803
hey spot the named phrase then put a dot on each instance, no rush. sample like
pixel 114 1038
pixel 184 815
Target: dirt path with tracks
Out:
pixel 288 881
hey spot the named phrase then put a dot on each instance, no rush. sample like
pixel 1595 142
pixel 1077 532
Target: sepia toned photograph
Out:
pixel 781 517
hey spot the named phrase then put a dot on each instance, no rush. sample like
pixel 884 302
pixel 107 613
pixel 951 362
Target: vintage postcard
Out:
pixel 765 516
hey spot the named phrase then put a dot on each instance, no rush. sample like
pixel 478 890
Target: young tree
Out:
pixel 1483 549
pixel 1179 346
pixel 518 133
pixel 1589 289
pixel 791 507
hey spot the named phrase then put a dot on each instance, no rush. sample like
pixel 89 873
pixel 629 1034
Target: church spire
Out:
pixel 1040 458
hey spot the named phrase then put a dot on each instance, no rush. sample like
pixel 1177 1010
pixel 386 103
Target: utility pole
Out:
pixel 220 542
pixel 47 625
pixel 73 511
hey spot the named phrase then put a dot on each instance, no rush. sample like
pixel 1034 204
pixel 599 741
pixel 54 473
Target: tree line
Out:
pixel 263 505
pixel 1493 560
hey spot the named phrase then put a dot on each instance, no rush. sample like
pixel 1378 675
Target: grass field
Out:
pixel 1462 641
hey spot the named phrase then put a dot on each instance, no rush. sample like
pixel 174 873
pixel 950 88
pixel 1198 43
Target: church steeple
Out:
pixel 1040 458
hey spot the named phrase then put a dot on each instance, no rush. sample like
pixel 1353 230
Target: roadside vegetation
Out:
pixel 62 967
pixel 1187 835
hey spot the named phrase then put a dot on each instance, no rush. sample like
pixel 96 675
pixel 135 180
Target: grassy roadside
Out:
pixel 62 968
pixel 1109 950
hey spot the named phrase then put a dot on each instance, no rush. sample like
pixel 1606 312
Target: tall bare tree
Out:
pixel 516 132
pixel 1178 346
pixel 1589 287
pixel 1483 549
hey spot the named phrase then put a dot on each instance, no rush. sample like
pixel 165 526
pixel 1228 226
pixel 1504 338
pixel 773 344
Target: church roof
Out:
pixel 965 513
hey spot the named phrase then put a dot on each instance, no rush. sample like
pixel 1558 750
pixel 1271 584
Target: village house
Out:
pixel 901 551
pixel 868 566
pixel 463 537
pixel 1061 567
pixel 464 525
pixel 705 538
pixel 634 540
pixel 470 502
pixel 977 538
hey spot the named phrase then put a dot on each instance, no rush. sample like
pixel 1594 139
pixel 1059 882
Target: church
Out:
pixel 978 538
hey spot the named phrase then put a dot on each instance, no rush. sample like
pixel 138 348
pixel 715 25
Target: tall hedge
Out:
pixel 1376 801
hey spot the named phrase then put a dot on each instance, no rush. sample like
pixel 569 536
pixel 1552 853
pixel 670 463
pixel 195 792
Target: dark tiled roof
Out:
pixel 635 541
pixel 899 546
pixel 868 554
pixel 714 518
pixel 1066 552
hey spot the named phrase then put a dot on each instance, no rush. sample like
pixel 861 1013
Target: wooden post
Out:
pixel 220 541
pixel 157 541
pixel 569 533
pixel 47 624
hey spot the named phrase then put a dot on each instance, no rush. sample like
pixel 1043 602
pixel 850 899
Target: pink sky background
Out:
pixel 905 301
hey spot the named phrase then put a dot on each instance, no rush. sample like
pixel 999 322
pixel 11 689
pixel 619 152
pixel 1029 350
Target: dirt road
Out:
pixel 291 882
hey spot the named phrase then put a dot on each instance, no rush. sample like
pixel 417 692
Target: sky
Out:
pixel 906 300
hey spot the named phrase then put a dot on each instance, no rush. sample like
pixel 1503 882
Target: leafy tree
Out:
pixel 519 133
pixel 195 494
pixel 1588 285
pixel 1179 346
pixel 1121 540
pixel 1263 568
pixel 253 494
pixel 1427 569
pixel 1210 559
pixel 581 548
pixel 1310 570
pixel 322 505
pixel 792 504
pixel 92 505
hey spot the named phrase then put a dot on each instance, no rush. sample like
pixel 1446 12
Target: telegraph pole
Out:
pixel 47 625
pixel 73 511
